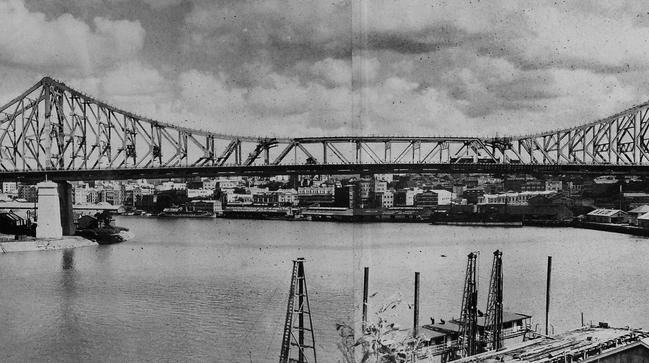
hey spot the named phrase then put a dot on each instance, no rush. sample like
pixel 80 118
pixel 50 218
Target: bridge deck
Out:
pixel 334 169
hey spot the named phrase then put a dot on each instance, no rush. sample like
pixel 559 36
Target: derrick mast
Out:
pixel 494 315
pixel 298 311
pixel 467 341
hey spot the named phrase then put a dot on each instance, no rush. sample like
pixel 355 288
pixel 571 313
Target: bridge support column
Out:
pixel 49 213
pixel 65 207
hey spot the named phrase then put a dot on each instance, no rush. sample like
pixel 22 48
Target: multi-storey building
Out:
pixel 114 196
pixel 380 186
pixel 385 199
pixel 427 198
pixel 266 198
pixel 345 196
pixel 200 193
pixel 405 197
pixel 28 193
pixel 226 184
pixel 323 194
pixel 510 198
pixel 209 184
pixel 554 185
pixel 287 197
pixel 10 188
pixel 533 186
pixel 444 197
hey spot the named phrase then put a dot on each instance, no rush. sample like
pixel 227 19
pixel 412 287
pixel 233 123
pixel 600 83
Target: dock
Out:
pixel 586 344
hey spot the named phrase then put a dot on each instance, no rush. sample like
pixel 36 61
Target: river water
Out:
pixel 216 289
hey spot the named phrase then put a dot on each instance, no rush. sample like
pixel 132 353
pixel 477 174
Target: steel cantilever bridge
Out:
pixel 55 131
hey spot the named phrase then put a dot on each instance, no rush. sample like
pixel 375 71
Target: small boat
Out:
pixel 106 235
pixel 100 229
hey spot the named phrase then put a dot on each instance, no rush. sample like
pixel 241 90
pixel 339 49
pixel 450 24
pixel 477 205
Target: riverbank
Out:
pixel 610 227
pixel 30 244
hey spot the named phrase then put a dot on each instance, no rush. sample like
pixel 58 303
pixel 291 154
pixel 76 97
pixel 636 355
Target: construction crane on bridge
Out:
pixel 298 310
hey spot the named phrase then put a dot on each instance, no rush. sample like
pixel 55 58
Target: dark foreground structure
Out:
pixel 587 344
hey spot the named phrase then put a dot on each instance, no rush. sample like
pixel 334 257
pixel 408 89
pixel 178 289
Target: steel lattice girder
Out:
pixel 54 127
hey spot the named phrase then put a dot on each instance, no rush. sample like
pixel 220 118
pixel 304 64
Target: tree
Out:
pixel 104 218
pixel 376 343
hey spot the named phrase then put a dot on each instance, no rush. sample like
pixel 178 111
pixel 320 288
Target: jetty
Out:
pixel 587 344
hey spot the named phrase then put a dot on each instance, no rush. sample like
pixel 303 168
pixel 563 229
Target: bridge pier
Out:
pixel 65 207
pixel 49 213
pixel 54 210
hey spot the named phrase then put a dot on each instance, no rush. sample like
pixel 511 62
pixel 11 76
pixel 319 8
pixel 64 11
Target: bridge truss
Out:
pixel 54 129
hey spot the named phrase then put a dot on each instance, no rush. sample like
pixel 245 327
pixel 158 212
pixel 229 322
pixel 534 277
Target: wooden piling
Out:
pixel 547 295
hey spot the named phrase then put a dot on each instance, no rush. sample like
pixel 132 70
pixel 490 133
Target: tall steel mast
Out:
pixel 294 336
pixel 494 314
pixel 467 341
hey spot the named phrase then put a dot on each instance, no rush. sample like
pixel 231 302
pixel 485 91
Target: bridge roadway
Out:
pixel 323 169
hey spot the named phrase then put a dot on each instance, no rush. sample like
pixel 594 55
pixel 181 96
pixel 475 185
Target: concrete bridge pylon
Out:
pixel 48 211
pixel 54 210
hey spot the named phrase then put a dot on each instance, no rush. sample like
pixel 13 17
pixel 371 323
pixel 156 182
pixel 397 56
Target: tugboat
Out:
pixel 101 229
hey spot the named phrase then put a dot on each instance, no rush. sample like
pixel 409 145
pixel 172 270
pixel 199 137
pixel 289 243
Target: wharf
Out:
pixel 587 344
pixel 611 227
pixel 258 212
pixel 29 244
pixel 338 214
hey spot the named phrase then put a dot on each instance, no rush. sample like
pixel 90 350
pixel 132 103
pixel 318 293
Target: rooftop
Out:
pixel 640 210
pixel 635 195
pixel 605 212
pixel 449 327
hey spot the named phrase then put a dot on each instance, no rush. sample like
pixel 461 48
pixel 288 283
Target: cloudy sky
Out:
pixel 338 67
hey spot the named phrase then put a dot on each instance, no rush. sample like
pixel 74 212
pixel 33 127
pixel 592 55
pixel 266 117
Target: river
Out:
pixel 216 289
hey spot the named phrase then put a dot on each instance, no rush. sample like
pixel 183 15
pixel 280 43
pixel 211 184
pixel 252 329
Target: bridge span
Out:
pixel 56 131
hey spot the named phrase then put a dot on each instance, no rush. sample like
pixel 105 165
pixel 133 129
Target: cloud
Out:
pixel 603 36
pixel 277 32
pixel 65 43
pixel 578 97
pixel 296 69
pixel 134 79
pixel 399 106
pixel 333 72
pixel 283 106
pixel 161 4
pixel 131 86
pixel 595 40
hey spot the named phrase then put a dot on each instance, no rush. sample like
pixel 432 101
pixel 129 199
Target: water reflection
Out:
pixel 68 279
pixel 68 259
pixel 67 324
